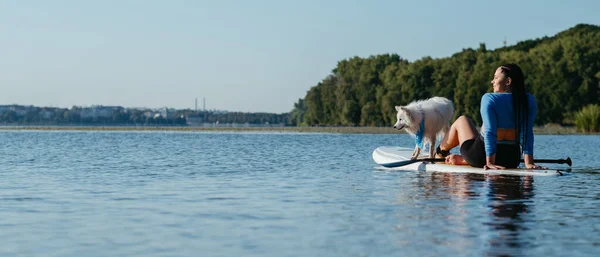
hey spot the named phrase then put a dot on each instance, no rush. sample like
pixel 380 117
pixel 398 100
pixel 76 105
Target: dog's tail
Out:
pixel 450 110
pixel 449 114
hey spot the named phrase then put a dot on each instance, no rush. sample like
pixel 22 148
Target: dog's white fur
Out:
pixel 436 112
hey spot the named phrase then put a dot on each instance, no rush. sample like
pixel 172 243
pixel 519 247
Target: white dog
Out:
pixel 425 119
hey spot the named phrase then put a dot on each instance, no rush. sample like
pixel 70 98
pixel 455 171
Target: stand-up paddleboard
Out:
pixel 391 154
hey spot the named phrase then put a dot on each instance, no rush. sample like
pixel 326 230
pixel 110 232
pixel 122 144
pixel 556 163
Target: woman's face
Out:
pixel 500 81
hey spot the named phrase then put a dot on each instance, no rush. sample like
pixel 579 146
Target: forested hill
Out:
pixel 562 71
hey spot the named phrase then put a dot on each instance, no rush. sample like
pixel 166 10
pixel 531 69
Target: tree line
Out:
pixel 31 115
pixel 562 72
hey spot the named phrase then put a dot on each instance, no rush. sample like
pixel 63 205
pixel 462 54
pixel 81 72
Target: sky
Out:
pixel 246 56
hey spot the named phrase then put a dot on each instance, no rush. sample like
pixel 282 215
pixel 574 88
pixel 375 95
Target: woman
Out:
pixel 508 114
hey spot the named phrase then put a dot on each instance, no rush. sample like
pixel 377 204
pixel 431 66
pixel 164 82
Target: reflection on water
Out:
pixel 506 198
pixel 280 194
pixel 457 186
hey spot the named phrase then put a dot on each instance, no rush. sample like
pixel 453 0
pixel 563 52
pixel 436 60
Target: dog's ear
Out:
pixel 406 111
pixel 398 108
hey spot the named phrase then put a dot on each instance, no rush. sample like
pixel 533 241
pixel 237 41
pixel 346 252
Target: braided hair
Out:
pixel 520 105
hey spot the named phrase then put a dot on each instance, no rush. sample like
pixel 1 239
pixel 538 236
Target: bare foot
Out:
pixel 455 159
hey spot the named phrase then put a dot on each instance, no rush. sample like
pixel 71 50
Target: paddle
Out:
pixel 407 162
pixel 559 161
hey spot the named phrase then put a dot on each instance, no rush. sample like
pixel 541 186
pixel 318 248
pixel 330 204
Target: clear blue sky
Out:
pixel 250 56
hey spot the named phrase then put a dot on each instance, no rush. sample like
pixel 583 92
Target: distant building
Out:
pixel 4 108
pixel 164 112
pixel 99 111
pixel 148 114
pixel 46 114
pixel 20 110
pixel 194 120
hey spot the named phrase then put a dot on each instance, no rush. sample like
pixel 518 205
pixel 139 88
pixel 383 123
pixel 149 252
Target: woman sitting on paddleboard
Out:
pixel 508 114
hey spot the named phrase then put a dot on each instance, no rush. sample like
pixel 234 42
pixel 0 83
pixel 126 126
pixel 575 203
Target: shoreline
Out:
pixel 540 130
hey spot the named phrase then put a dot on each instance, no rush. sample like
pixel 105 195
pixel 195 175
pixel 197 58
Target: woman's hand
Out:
pixel 529 163
pixel 490 163
pixel 535 167
pixel 490 166
pixel 455 159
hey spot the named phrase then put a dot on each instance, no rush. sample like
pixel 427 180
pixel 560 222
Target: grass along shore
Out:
pixel 540 130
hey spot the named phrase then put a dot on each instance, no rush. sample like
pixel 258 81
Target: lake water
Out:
pixel 68 193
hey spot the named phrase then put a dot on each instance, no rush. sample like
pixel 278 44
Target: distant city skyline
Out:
pixel 242 56
pixel 3 107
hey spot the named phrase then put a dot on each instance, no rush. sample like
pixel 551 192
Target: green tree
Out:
pixel 562 72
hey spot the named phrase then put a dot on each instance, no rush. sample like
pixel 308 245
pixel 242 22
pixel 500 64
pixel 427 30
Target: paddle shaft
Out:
pixel 560 161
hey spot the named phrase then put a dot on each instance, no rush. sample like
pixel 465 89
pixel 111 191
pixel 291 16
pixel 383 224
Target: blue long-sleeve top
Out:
pixel 497 114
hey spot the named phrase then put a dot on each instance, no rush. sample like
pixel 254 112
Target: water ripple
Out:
pixel 280 194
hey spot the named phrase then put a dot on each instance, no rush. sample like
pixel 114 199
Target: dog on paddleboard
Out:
pixel 425 120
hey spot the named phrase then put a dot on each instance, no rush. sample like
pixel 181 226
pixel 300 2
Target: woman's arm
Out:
pixel 489 127
pixel 488 116
pixel 528 151
pixel 532 112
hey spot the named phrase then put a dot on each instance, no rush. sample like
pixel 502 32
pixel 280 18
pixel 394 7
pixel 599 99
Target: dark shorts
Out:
pixel 473 151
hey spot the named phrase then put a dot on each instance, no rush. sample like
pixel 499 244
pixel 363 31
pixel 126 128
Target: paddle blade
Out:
pixel 407 162
pixel 398 164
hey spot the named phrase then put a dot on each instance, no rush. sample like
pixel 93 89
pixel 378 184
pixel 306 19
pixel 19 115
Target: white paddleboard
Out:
pixel 390 154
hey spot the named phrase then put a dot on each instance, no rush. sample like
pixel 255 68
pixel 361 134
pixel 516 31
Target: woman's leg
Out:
pixel 461 130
